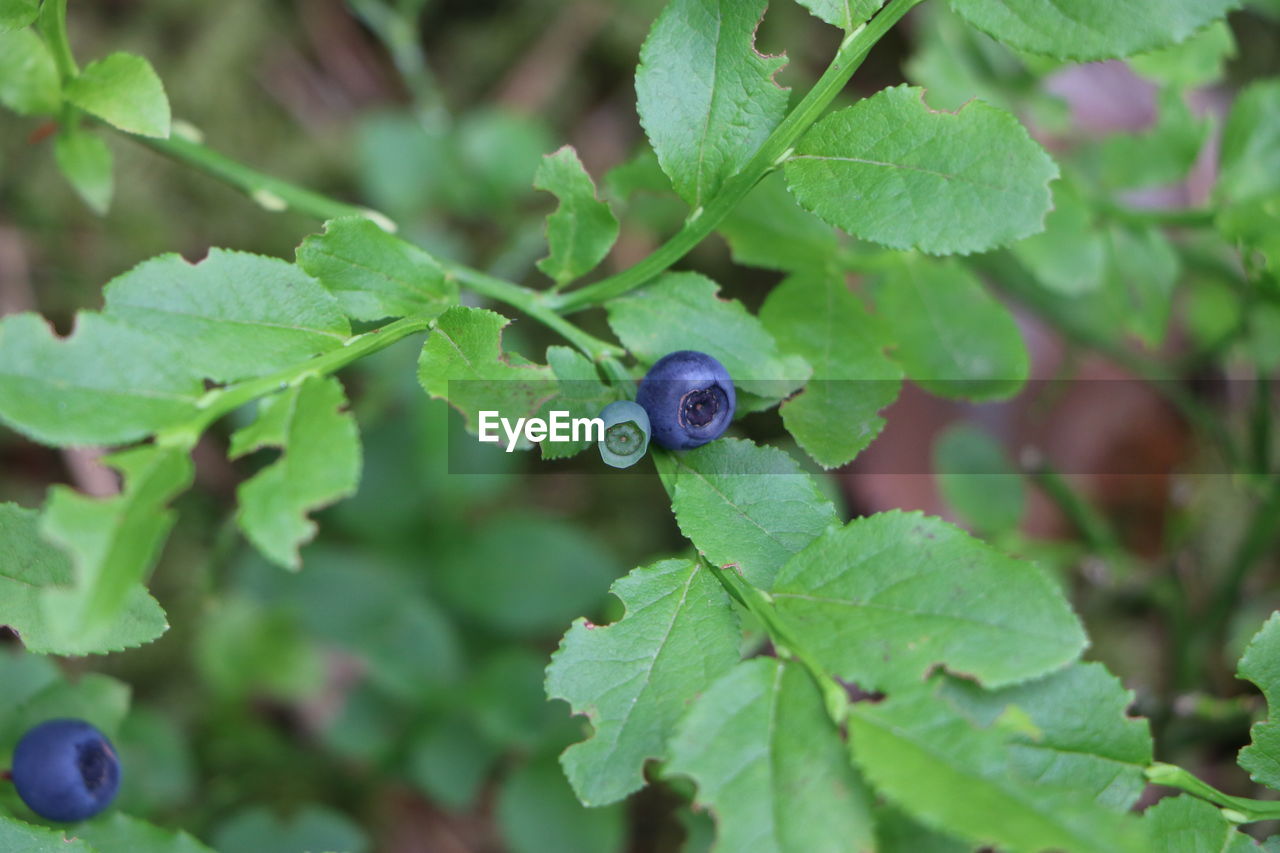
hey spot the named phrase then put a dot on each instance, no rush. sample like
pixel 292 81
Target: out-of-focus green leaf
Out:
pixel 320 464
pixel 15 14
pixel 582 229
pixel 98 699
pixel 1261 665
pixel 538 813
pixel 29 82
pixel 245 649
pixel 161 769
pixel 634 679
pixel 450 761
pixel 375 274
pixel 1198 61
pixel 891 170
pixel 310 830
pixel 706 97
pixel 86 162
pixel 1251 144
pixel 845 14
pixel 124 91
pixel 978 480
pixel 1163 154
pixel 1143 269
pixel 746 505
pixel 121 832
pixel 896 832
pixel 1070 256
pixel 581 394
pixel 1092 29
pixel 837 415
pixel 18 836
pixel 886 598
pixel 1186 824
pixel 770 764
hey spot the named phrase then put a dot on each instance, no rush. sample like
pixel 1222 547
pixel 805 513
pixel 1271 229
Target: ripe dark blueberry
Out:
pixel 66 770
pixel 689 397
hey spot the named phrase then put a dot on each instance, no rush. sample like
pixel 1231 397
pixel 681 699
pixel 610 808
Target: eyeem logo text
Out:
pixel 558 427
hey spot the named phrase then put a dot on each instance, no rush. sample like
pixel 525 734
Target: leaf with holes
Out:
pixel 582 229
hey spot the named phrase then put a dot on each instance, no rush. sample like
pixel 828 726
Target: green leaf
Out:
pixel 706 98
pixel 233 315
pixel 897 832
pixel 634 679
pixel 463 362
pixel 1070 256
pixel 106 383
pixel 582 229
pixel 682 310
pixel 29 82
pixel 124 91
pixel 1081 734
pixel 746 505
pixel 245 649
pixel 1198 61
pixel 770 764
pixel 1143 270
pixel 933 763
pixel 320 464
pixel 836 416
pixel 1261 665
pixel 951 336
pixel 886 598
pixel 1164 154
pixel 845 14
pixel 581 394
pixel 1251 144
pixel 121 832
pixel 1185 824
pixel 1091 29
pixel 451 761
pixel 15 14
pixel 24 838
pixel 977 479
pixel 113 542
pixel 310 829
pixel 86 162
pixel 29 565
pixel 375 274
pixel 537 813
pixel 99 699
pixel 769 229
pixel 891 170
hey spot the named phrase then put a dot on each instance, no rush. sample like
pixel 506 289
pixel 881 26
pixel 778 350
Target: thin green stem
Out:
pixel 1246 810
pixel 1092 526
pixel 1157 216
pixel 53 24
pixel 775 150
pixel 222 401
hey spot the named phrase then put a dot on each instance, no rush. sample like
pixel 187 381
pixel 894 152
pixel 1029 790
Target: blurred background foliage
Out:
pixel 389 697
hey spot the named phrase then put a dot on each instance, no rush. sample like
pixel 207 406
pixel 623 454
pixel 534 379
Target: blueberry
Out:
pixel 626 434
pixel 689 397
pixel 66 770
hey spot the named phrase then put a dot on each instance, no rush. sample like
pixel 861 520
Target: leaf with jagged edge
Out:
pixel 934 763
pixel 706 97
pixel 845 14
pixel 124 91
pixel 113 542
pixel 320 464
pixel 1261 665
pixel 770 764
pixel 884 599
pixel 635 679
pixel 582 228
pixel 747 505
pixel 1186 824
pixel 29 564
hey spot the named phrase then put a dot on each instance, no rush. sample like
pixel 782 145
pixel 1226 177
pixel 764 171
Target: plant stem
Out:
pixel 1092 526
pixel 53 23
pixel 1172 776
pixel 1157 216
pixel 853 50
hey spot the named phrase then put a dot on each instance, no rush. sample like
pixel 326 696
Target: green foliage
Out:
pixel 978 480
pixel 124 91
pixel 29 83
pixel 582 229
pixel 1188 825
pixel 940 182
pixel 1261 665
pixel 15 14
pixel 86 162
pixel 845 14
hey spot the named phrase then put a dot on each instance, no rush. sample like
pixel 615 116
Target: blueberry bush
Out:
pixel 315 613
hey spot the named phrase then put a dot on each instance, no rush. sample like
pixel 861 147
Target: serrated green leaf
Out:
pixel 1198 61
pixel 113 542
pixel 1143 269
pixel 845 14
pixel 891 170
pixel 320 464
pixel 1091 29
pixel 1251 144
pixel 769 763
pixel 121 832
pixel 1261 665
pixel 580 393
pixel 29 82
pixel 886 598
pixel 537 813
pixel 86 162
pixel 746 505
pixel 106 383
pixel 582 229
pixel 15 14
pixel 950 335
pixel 463 362
pixel 1083 736
pixel 936 765
pixel 1185 824
pixel 706 98
pixel 682 311
pixel 1070 256
pixel 978 480
pixel 234 315
pixel 769 229
pixel 28 565
pixel 634 679
pixel 375 274
pixel 22 837
pixel 836 416
pixel 124 91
